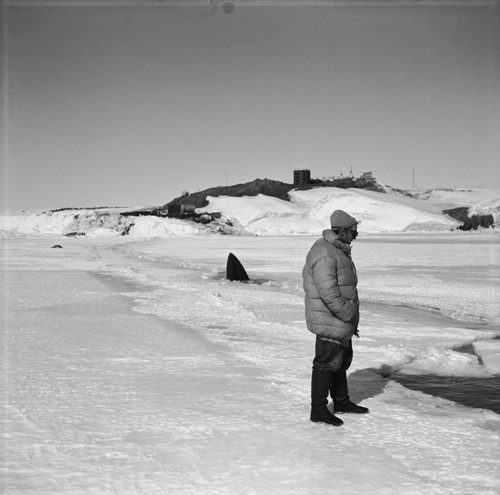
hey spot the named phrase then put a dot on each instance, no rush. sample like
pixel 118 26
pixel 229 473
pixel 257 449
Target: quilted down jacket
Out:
pixel 331 296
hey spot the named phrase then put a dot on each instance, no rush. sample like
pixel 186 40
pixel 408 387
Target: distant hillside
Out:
pixel 267 187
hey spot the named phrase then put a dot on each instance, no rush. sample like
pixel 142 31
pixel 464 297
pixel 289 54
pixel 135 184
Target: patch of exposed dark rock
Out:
pixel 267 187
pixel 470 222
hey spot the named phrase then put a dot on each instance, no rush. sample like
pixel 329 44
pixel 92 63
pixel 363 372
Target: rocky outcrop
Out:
pixel 472 222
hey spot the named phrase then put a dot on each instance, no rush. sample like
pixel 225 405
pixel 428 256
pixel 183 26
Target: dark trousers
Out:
pixel 329 376
pixel 330 356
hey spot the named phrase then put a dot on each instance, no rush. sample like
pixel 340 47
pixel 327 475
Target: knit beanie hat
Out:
pixel 340 219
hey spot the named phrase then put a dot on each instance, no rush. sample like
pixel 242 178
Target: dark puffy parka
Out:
pixel 331 296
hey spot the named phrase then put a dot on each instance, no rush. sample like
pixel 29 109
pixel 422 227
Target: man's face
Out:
pixel 348 235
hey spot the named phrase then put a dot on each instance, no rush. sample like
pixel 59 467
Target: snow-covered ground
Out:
pixel 131 366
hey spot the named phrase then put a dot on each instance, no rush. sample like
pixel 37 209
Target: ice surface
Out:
pixel 489 352
pixel 132 366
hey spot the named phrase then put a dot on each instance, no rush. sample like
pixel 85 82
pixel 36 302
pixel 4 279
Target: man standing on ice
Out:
pixel 332 313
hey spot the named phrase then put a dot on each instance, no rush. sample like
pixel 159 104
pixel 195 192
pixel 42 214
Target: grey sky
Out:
pixel 127 105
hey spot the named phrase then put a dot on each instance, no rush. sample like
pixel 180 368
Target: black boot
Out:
pixel 346 406
pixel 340 395
pixel 320 385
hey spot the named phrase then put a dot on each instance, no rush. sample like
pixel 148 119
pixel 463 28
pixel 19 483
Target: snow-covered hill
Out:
pixel 307 213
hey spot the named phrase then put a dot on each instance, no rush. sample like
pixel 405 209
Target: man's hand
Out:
pixel 356 332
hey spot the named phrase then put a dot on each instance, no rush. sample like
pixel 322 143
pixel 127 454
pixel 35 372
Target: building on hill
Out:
pixel 368 176
pixel 301 177
pixel 180 210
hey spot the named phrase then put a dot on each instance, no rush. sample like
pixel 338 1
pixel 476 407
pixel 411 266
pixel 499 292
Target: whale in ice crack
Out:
pixel 235 270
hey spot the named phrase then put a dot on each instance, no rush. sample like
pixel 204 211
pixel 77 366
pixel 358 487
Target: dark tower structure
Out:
pixel 301 177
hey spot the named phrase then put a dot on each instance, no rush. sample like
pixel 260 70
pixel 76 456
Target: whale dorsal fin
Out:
pixel 234 269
